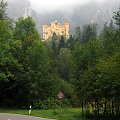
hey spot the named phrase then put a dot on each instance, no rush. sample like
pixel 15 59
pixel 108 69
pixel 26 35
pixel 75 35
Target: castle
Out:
pixel 57 28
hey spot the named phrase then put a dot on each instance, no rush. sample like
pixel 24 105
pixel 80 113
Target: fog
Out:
pixel 77 12
pixel 62 5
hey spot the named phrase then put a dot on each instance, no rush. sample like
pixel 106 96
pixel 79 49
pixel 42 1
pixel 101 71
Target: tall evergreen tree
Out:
pixel 77 34
pixel 70 43
pixel 62 42
pixel 117 22
pixel 117 18
pixel 89 32
pixel 55 44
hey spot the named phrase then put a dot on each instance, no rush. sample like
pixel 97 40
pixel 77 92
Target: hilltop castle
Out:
pixel 57 28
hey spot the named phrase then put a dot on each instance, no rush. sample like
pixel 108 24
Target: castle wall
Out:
pixel 57 28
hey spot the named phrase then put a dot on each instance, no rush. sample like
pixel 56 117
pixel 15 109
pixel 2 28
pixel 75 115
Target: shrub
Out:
pixel 51 103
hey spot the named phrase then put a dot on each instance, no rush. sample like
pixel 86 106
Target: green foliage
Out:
pixel 3 13
pixel 5 32
pixel 97 72
pixel 52 103
pixel 109 73
pixel 70 43
pixel 117 17
pixel 38 69
pixel 77 34
pixel 34 72
pixel 62 42
pixel 7 61
pixel 89 32
pixel 65 64
pixel 3 6
pixel 25 30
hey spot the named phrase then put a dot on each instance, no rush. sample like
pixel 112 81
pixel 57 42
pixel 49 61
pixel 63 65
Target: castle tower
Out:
pixel 55 27
pixel 66 25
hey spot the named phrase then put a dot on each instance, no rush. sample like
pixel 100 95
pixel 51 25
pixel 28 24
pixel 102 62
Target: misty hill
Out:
pixel 18 8
pixel 80 15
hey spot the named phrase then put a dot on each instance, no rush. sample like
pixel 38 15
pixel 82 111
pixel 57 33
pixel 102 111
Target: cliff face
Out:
pixel 18 8
pixel 88 13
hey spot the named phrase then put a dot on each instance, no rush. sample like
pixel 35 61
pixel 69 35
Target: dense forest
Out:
pixel 85 67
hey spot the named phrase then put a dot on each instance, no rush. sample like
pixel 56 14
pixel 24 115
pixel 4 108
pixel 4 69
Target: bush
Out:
pixel 52 103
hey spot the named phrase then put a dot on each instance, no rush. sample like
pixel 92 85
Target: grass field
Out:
pixel 59 114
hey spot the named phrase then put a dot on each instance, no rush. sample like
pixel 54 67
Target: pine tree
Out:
pixel 70 42
pixel 89 32
pixel 61 42
pixel 77 34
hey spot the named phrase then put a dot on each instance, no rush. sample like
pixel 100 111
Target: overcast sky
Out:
pixel 50 5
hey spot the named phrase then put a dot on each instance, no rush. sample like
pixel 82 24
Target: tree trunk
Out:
pixel 82 107
pixel 105 108
pixel 112 108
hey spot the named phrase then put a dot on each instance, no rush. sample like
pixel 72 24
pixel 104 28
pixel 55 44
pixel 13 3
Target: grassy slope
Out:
pixel 59 114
